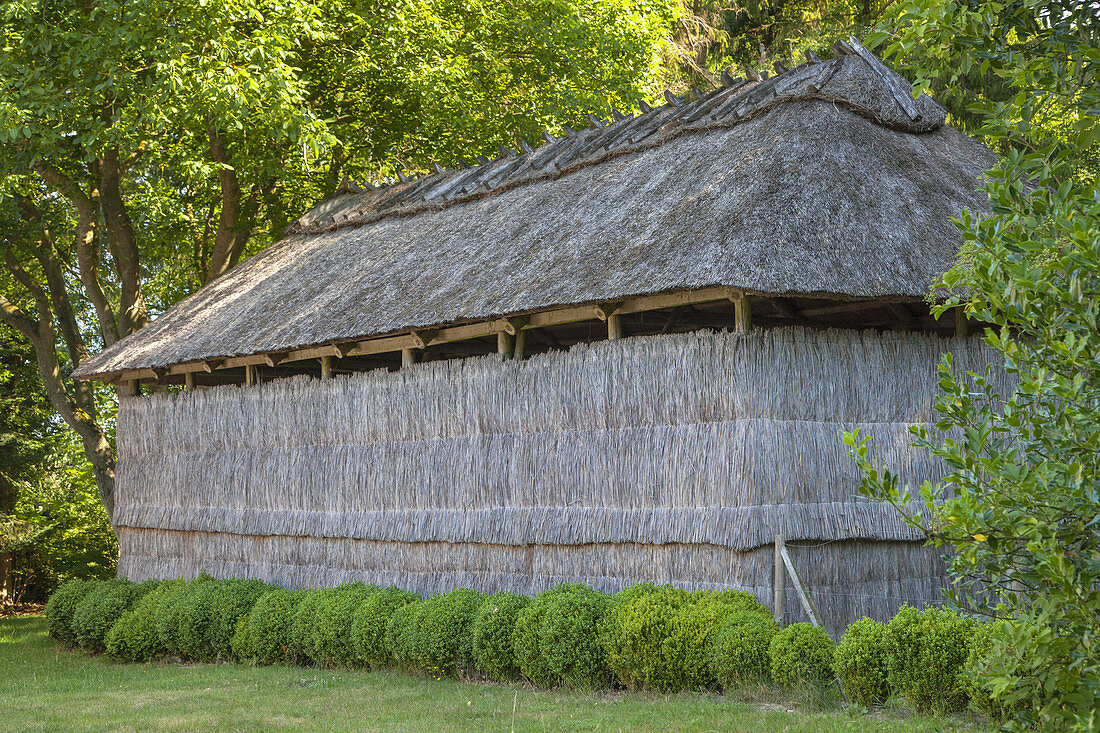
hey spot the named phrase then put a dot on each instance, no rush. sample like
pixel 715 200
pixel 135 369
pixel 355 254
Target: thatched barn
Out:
pixel 627 354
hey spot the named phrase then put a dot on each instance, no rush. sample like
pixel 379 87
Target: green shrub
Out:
pixel 102 607
pixel 635 635
pixel 303 637
pixel 986 643
pixel 134 637
pixel 492 635
pixel 334 613
pixel 241 643
pixel 801 653
pixel 738 600
pixel 207 613
pixel 925 651
pixel 61 607
pixel 269 625
pixel 443 642
pixel 401 633
pixel 557 637
pixel 739 650
pixel 860 662
pixel 168 618
pixel 368 626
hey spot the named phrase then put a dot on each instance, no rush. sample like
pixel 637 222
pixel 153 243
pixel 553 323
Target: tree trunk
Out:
pixel 134 313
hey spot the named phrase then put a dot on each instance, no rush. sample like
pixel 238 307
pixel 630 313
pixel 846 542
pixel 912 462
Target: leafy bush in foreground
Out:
pixel 334 641
pixel 443 641
pixel 492 635
pixel 860 662
pixel 102 607
pixel 134 636
pixel 801 653
pixel 739 652
pixel 557 638
pixel 269 624
pixel 926 650
pixel 368 625
pixel 61 607
pixel 401 632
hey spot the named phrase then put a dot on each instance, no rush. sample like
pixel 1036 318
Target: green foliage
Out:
pixel 303 646
pixel 101 608
pixel 207 615
pixel 443 642
pixel 860 662
pixel 557 638
pixel 492 635
pixel 989 643
pixel 168 614
pixel 241 643
pixel 61 607
pixel 658 637
pixel 334 639
pixel 801 653
pixel 1020 507
pixel 368 625
pixel 134 638
pixel 402 631
pixel 738 652
pixel 269 625
pixel 925 651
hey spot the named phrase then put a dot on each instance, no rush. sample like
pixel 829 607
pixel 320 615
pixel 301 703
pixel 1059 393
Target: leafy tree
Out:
pixel 1021 506
pixel 147 146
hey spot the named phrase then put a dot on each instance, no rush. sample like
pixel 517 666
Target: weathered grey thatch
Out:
pixel 675 459
pixel 823 180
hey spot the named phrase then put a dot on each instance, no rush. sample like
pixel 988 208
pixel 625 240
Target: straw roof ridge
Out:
pixel 854 81
pixel 828 179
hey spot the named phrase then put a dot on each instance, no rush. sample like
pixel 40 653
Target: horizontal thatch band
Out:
pixel 741 528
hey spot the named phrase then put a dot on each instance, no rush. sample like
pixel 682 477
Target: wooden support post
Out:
pixel 807 602
pixel 250 376
pixel 779 583
pixel 129 388
pixel 742 315
pixel 962 327
pixel 504 345
pixel 521 342
pixel 189 380
pixel 614 327
pixel 326 367
pixel 409 357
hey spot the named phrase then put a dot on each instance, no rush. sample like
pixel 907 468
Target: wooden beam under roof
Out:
pixel 418 339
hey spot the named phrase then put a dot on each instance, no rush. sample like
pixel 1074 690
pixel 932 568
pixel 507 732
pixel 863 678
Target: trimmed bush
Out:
pixel 168 616
pixel 401 633
pixel 62 605
pixel 492 635
pixel 801 653
pixel 368 625
pixel 443 641
pixel 739 652
pixel 134 637
pixel 985 645
pixel 659 638
pixel 269 625
pixel 241 643
pixel 207 615
pixel 334 613
pixel 557 638
pixel 925 652
pixel 102 607
pixel 738 600
pixel 303 638
pixel 860 662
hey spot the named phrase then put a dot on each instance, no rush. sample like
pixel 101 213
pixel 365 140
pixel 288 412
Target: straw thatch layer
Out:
pixel 846 579
pixel 647 458
pixel 802 192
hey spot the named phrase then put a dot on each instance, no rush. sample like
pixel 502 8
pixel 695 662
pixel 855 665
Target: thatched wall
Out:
pixel 673 458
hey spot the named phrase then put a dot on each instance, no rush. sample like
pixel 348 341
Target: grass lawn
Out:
pixel 44 687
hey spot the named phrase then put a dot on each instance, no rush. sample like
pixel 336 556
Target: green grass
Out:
pixel 45 687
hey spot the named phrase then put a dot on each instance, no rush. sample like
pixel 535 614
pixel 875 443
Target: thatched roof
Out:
pixel 825 179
